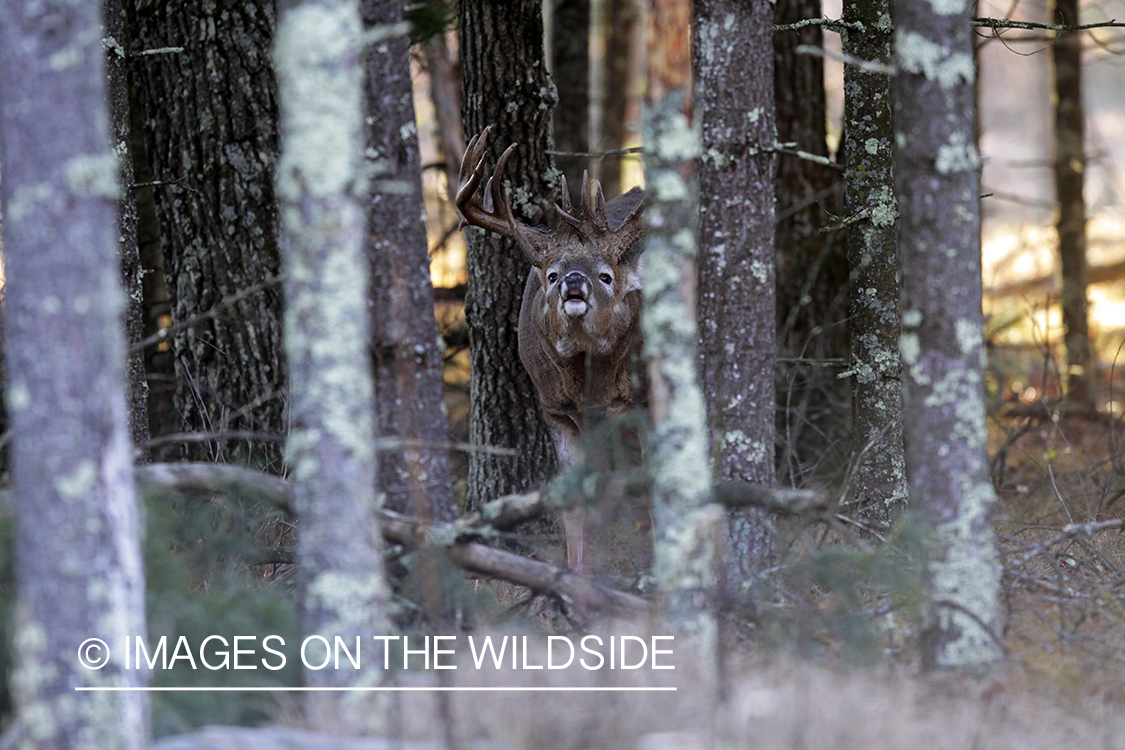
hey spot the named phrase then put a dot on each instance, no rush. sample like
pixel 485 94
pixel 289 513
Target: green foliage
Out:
pixel 430 18
pixel 852 599
pixel 200 583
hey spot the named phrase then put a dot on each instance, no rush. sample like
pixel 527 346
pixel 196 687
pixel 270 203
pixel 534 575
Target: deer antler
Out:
pixel 495 213
pixel 496 217
pixel 593 219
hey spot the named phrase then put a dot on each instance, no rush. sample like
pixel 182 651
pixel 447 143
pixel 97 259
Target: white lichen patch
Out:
pixel 884 207
pixel 320 87
pixel 669 186
pixel 958 155
pixel 947 7
pixel 350 598
pixel 93 175
pixel 871 145
pixel 910 348
pixel 79 483
pixel 970 336
pixel 753 451
pixel 966 574
pixel 678 140
pixel 917 54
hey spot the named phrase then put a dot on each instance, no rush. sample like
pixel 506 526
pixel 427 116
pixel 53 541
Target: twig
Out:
pixel 835 24
pixel 788 149
pixel 865 65
pixel 159 51
pixel 1004 23
pixel 598 154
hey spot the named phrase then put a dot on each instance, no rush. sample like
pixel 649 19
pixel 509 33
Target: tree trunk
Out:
pixel 688 537
pixel 619 87
pixel 570 70
pixel 210 116
pixel 1070 174
pixel 734 73
pixel 938 184
pixel 408 356
pixel 879 475
pixel 504 82
pixel 319 59
pixel 132 272
pixel 79 572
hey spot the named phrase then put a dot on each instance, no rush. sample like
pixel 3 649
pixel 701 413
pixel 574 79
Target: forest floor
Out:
pixel 1061 489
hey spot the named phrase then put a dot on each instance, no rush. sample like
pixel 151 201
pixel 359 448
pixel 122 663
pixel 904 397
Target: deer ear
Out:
pixel 632 267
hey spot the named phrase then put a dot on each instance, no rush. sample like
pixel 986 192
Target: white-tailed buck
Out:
pixel 581 304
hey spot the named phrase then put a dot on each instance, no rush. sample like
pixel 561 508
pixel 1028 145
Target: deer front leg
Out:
pixel 568 449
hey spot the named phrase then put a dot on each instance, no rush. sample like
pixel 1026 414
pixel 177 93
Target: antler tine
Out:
pixel 566 210
pixel 495 187
pixel 566 204
pixel 598 215
pixel 586 194
pixel 498 217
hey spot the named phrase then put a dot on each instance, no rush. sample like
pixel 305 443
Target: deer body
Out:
pixel 581 305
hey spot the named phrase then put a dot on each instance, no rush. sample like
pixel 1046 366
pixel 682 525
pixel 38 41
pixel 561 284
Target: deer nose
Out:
pixel 575 278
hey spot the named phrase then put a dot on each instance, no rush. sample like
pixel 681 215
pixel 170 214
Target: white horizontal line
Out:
pixel 375 689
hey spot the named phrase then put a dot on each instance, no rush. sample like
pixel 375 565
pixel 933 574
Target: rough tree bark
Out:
pixel 321 182
pixel 688 535
pixel 1070 175
pixel 570 71
pixel 210 118
pixel 132 273
pixel 733 63
pixel 407 350
pixel 79 570
pixel 879 475
pixel 621 20
pixel 505 83
pixel 938 184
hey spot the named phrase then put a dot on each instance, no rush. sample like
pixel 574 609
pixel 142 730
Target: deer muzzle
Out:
pixel 575 294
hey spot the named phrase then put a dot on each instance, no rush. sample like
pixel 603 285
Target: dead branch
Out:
pixel 579 591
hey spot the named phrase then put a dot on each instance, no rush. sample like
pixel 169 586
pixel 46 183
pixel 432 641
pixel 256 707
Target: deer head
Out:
pixel 587 265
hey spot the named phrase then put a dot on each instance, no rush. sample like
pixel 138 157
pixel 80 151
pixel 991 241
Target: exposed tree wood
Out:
pixel 501 513
pixel 79 571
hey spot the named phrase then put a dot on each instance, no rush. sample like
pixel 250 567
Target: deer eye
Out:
pixel 606 278
pixel 552 278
